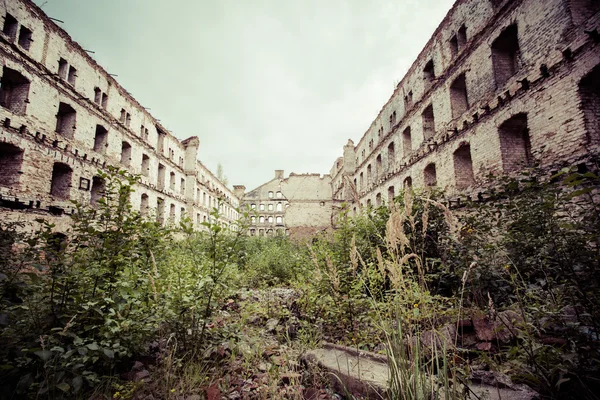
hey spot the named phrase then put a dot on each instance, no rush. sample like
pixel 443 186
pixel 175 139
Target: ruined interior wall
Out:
pixel 554 55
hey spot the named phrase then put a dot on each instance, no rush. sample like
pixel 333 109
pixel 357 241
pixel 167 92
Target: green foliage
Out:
pixel 274 261
pixel 76 308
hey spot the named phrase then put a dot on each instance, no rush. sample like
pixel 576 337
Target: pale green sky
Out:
pixel 265 84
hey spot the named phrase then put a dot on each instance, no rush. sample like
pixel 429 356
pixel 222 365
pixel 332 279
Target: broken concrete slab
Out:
pixel 357 372
pixel 367 374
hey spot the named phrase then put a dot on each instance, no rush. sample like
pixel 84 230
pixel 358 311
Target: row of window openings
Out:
pixel 20 85
pixel 270 220
pixel 268 232
pixel 261 207
pixel 160 212
pixel 515 151
pixel 505 60
pixel 14 90
pixel 10 29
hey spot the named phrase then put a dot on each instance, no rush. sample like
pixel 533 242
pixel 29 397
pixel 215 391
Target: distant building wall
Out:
pixel 299 205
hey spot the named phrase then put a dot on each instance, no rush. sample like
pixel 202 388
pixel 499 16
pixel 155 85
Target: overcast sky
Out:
pixel 264 84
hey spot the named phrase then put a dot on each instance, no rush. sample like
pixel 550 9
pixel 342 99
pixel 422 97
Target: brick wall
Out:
pixel 520 88
pixel 57 105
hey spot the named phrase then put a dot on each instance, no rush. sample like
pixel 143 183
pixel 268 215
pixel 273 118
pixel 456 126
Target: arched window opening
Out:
pixel 463 167
pixel 515 145
pixel 144 204
pixel 505 55
pixel 430 175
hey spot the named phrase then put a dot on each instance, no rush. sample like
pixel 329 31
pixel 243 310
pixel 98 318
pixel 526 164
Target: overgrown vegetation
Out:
pixel 508 284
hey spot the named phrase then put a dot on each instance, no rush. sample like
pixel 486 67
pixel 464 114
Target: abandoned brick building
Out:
pixel 63 118
pixel 299 205
pixel 501 85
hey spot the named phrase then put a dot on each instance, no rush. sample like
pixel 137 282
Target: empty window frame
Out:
pixel 25 38
pixel 10 27
pixel 428 119
pixel 182 186
pixel 14 91
pixel 72 77
pixel 262 207
pixel 463 166
pixel 378 199
pixel 126 154
pixel 407 142
pixel 505 55
pixel 589 93
pixel 279 207
pixel 145 165
pixel 172 180
pixel 369 175
pixel 270 207
pixel 459 100
pixel 430 175
pixel 123 115
pixel 11 161
pixel 98 190
pixel 160 210
pixel 391 194
pixel 65 120
pixel 100 139
pixel 378 166
pixel 279 220
pixel 104 100
pixel 144 204
pixel 270 219
pixel 160 141
pixel 391 155
pixel 60 185
pixel 279 195
pixel 270 195
pixel 515 145
pixel 407 182
pixel 392 120
pixel 63 68
pixel 458 41
pixel 261 219
pixel 162 171
pixel 408 100
pixel 172 213
pixel 97 95
pixel 428 75
pixel 583 10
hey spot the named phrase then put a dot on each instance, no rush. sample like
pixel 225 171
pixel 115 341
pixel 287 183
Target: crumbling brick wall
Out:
pixel 63 115
pixel 518 88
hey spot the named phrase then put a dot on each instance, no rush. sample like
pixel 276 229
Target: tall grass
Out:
pixel 420 356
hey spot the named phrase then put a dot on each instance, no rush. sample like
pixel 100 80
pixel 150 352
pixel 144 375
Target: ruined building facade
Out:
pixel 501 85
pixel 299 205
pixel 63 118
